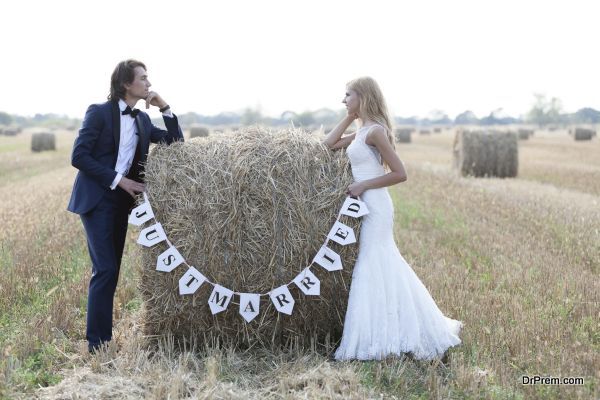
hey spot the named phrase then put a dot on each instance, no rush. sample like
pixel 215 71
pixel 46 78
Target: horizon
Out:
pixel 211 58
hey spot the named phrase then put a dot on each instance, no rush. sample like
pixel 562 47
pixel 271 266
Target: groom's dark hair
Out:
pixel 122 74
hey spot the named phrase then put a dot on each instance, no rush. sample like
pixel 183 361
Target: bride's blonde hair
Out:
pixel 372 103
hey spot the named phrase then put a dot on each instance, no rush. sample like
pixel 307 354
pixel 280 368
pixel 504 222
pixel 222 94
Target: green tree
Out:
pixel 544 111
pixel 5 118
pixel 251 116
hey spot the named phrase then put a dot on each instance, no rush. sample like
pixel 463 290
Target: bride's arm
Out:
pixel 334 138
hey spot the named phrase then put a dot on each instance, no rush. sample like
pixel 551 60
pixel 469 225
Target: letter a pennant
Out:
pixel 249 305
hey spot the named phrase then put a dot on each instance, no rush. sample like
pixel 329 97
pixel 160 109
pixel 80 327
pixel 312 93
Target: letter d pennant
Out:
pixel 354 208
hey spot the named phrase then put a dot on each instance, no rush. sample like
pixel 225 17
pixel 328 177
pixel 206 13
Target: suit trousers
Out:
pixel 106 228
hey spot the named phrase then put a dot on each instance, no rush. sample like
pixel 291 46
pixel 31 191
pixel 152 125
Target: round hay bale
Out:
pixel 481 153
pixel 199 131
pixel 425 132
pixel 524 134
pixel 43 141
pixel 437 130
pixel 249 211
pixel 11 130
pixel 584 134
pixel 403 135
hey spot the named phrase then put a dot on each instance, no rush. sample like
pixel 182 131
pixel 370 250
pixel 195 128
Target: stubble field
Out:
pixel 517 260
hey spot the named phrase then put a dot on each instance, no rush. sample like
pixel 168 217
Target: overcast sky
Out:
pixel 282 55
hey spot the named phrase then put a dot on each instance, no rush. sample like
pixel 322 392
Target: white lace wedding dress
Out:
pixel 390 312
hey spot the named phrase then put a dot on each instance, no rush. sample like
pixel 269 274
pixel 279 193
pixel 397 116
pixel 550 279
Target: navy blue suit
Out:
pixel 104 212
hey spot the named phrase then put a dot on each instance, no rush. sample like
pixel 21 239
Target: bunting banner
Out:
pixel 249 303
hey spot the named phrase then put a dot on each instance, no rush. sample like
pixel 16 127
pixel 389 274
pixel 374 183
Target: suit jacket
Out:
pixel 97 146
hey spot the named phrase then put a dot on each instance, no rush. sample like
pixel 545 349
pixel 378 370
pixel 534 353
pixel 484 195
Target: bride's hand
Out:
pixel 356 189
pixel 352 116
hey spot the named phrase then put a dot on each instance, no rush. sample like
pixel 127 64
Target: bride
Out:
pixel 389 312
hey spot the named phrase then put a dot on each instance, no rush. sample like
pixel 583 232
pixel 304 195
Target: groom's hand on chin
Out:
pixel 154 99
pixel 130 186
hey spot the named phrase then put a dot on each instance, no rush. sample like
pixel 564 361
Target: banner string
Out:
pixel 170 244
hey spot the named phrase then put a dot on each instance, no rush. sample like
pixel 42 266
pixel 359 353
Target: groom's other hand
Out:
pixel 132 187
pixel 154 99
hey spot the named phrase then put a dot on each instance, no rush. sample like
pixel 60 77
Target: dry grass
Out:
pixel 517 260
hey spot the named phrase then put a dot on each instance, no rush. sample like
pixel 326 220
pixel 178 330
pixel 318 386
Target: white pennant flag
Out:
pixel 152 235
pixel 308 283
pixel 168 260
pixel 342 234
pixel 282 299
pixel 191 281
pixel 328 259
pixel 219 299
pixel 249 305
pixel 354 208
pixel 141 213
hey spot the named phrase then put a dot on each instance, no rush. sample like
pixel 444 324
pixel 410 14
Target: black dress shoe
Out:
pixel 93 348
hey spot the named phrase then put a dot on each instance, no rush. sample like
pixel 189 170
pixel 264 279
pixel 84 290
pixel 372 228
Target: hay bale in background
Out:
pixel 437 130
pixel 250 211
pixel 424 132
pixel 198 131
pixel 11 130
pixel 403 135
pixel 525 134
pixel 481 153
pixel 43 141
pixel 584 134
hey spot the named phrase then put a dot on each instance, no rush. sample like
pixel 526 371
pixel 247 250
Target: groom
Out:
pixel 110 152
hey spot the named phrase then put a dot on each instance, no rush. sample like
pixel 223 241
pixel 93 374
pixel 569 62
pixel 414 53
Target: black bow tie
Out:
pixel 129 111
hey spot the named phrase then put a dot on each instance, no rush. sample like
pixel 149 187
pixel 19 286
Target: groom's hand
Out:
pixel 130 186
pixel 154 99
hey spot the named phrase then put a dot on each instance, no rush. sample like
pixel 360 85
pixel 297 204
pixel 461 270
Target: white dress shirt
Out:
pixel 127 143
